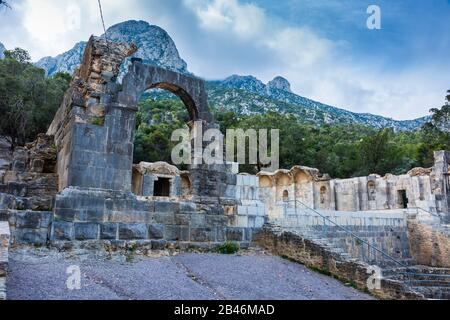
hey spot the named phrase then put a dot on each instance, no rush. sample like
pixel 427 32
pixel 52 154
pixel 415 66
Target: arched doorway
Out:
pixel 191 91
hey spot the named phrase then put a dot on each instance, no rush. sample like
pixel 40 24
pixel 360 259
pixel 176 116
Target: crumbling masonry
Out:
pixel 78 183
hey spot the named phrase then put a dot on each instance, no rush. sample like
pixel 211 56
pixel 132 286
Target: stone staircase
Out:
pixel 432 283
pixel 420 281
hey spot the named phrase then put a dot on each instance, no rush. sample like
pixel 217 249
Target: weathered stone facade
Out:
pixel 318 256
pixel 28 180
pixel 94 192
pixel 427 189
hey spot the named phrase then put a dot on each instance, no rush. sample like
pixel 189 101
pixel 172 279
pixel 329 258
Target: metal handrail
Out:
pixel 409 275
pixel 426 211
pixel 410 208
pixel 350 233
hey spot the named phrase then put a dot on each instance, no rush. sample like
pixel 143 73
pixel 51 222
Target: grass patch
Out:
pixel 98 121
pixel 228 247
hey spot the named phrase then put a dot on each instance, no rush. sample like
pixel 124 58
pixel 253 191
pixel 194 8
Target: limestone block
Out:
pixel 220 234
pixel 202 235
pixel 86 231
pixel 242 210
pixel 235 234
pixel 62 230
pixel 259 222
pixel 188 207
pixel 156 231
pixel 216 220
pixel 132 231
pixel 167 207
pixel 176 233
pixel 230 191
pixel 242 221
pixel 108 231
pixel 164 218
pixel 182 219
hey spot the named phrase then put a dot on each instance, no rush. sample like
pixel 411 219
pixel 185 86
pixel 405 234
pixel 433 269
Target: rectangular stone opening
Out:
pixel 402 199
pixel 162 187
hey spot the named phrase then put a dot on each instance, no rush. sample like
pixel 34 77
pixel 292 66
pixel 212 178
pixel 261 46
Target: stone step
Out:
pixel 428 283
pixel 436 293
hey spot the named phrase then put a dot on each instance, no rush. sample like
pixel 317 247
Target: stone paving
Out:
pixel 189 276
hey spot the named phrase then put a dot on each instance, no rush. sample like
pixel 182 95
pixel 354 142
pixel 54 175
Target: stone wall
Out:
pixel 251 211
pixel 4 246
pixel 429 246
pixel 428 189
pixel 386 231
pixel 318 257
pixel 29 227
pixel 29 181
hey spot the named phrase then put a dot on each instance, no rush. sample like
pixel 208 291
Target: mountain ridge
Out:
pixel 330 114
pixel 155 47
pixel 241 94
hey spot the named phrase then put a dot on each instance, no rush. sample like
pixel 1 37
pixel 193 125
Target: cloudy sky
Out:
pixel 323 47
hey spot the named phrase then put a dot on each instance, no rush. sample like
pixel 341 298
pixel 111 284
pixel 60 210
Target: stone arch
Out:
pixel 94 128
pixel 189 89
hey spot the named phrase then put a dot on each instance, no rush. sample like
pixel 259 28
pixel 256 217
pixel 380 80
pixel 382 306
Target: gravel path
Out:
pixel 251 276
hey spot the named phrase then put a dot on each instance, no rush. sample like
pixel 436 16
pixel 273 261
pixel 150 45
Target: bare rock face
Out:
pixel 155 45
pixel 279 83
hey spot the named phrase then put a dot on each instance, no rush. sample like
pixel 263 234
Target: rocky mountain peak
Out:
pixel 279 83
pixel 247 83
pixel 154 44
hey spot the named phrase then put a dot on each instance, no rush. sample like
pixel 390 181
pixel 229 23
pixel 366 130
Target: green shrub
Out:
pixel 98 121
pixel 228 247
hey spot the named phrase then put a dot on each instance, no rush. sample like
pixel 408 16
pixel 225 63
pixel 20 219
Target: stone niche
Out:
pixel 159 180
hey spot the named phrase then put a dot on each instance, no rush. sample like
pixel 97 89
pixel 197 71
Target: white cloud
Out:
pixel 244 20
pixel 323 69
pixel 221 37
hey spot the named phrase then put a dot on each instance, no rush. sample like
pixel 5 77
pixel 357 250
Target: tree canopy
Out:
pixel 28 100
pixel 343 151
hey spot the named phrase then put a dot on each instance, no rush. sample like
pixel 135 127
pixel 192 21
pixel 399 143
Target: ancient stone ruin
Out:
pixel 78 183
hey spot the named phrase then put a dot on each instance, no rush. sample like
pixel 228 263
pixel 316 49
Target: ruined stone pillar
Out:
pixel 93 135
pixel 441 183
